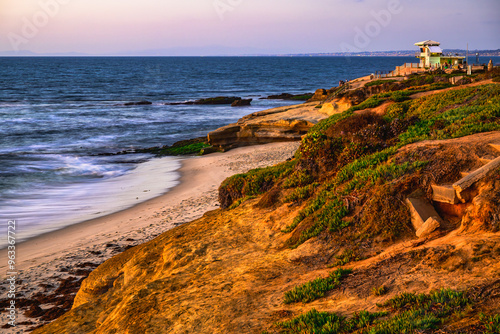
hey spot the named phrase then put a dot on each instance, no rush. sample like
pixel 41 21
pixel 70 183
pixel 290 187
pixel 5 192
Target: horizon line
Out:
pixel 394 53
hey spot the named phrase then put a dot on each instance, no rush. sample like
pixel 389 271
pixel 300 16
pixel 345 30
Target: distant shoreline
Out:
pixel 397 53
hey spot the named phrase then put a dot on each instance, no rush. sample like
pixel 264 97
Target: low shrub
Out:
pixel 371 102
pixel 400 95
pixel 298 178
pixel 301 193
pixel 378 82
pixel 252 183
pixel 385 214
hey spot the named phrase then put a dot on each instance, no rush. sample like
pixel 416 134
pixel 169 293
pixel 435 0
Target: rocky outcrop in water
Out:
pixel 140 103
pixel 241 103
pixel 209 101
pixel 288 96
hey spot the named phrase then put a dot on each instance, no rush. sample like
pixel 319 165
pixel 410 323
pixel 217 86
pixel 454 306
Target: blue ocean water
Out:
pixel 57 114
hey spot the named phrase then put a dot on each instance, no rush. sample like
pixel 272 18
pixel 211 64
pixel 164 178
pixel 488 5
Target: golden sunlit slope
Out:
pixel 334 216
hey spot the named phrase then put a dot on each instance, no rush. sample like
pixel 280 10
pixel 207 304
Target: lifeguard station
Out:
pixel 431 56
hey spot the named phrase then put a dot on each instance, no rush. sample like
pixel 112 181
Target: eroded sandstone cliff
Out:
pixel 228 271
pixel 326 241
pixel 279 124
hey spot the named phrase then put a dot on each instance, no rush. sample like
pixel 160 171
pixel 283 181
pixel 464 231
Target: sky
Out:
pixel 204 27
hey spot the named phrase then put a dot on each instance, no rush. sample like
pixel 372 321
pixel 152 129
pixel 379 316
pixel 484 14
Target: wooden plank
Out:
pixel 429 226
pixel 444 194
pixel 420 210
pixel 475 176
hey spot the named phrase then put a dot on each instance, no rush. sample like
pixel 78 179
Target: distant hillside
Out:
pixel 225 51
pixel 27 53
pixel 399 53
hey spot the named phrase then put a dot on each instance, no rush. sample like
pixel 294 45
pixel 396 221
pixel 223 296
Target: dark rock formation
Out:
pixel 282 96
pixel 208 101
pixel 287 96
pixel 240 103
pixel 218 100
pixel 156 150
pixel 140 103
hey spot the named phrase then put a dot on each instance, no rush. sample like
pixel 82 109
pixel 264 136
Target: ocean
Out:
pixel 59 114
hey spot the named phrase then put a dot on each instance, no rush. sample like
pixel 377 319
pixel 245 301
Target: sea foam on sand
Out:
pixel 64 206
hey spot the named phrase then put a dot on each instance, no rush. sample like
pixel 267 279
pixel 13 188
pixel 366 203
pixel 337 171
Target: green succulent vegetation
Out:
pixel 405 313
pixel 317 288
pixel 357 167
pixel 252 183
pixel 346 257
pixel 301 97
pixel 328 209
pixel 371 102
pixel 379 291
pixel 325 323
pixel 447 115
pixel 428 79
pixel 455 114
pixel 401 95
pixel 446 297
pixel 184 150
pixel 378 82
pixel 490 323
pixel 299 178
pixel 301 193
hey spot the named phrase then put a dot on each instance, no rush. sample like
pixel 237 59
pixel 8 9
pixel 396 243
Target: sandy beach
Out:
pixel 68 253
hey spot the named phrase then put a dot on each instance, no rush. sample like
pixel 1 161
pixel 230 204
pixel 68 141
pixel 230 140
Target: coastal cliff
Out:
pixel 279 124
pixel 328 240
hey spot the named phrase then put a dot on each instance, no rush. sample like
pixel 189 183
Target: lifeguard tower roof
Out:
pixel 428 43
